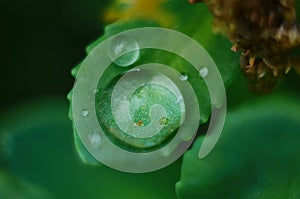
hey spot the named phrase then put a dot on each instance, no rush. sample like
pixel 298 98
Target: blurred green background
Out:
pixel 40 42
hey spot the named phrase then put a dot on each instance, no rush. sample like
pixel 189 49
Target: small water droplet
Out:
pixel 203 72
pixel 123 50
pixel 134 70
pixel 125 98
pixel 84 112
pixel 96 91
pixel 94 140
pixel 164 121
pixel 179 99
pixel 183 77
pixel 166 152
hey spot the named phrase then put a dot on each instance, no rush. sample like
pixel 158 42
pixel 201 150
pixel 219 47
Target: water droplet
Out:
pixel 203 72
pixel 183 77
pixel 166 152
pixel 164 121
pixel 179 99
pixel 125 98
pixel 123 50
pixel 94 140
pixel 84 112
pixel 96 91
pixel 134 70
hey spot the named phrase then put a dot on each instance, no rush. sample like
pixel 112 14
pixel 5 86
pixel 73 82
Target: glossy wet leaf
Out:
pixel 83 153
pixel 257 155
pixel 192 20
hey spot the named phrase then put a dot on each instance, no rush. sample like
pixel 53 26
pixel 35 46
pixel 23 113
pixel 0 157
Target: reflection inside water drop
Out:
pixel 94 140
pixel 203 72
pixel 123 50
pixel 84 112
pixel 183 77
pixel 96 91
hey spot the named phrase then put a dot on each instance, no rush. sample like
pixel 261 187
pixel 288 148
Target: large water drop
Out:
pixel 123 50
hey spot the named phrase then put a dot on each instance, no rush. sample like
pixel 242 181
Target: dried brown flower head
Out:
pixel 265 31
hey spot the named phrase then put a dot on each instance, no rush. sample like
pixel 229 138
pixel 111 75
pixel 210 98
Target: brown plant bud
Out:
pixel 265 31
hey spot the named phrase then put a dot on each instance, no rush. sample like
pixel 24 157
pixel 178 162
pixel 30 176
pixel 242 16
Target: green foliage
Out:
pixel 12 187
pixel 141 101
pixel 42 152
pixel 196 22
pixel 83 153
pixel 257 155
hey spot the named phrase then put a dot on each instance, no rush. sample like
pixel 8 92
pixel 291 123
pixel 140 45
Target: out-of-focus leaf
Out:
pixel 14 188
pixel 257 156
pixel 43 153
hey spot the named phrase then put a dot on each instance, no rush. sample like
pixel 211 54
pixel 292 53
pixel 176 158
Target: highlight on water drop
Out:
pixel 123 50
pixel 183 77
pixel 84 112
pixel 203 72
pixel 94 140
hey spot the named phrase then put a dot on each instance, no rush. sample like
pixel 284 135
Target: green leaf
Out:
pixel 83 153
pixel 257 155
pixel 12 187
pixel 196 22
pixel 192 20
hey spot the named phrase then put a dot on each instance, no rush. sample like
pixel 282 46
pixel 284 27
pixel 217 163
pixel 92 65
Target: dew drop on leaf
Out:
pixel 94 140
pixel 203 72
pixel 125 98
pixel 84 112
pixel 183 77
pixel 96 91
pixel 123 50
